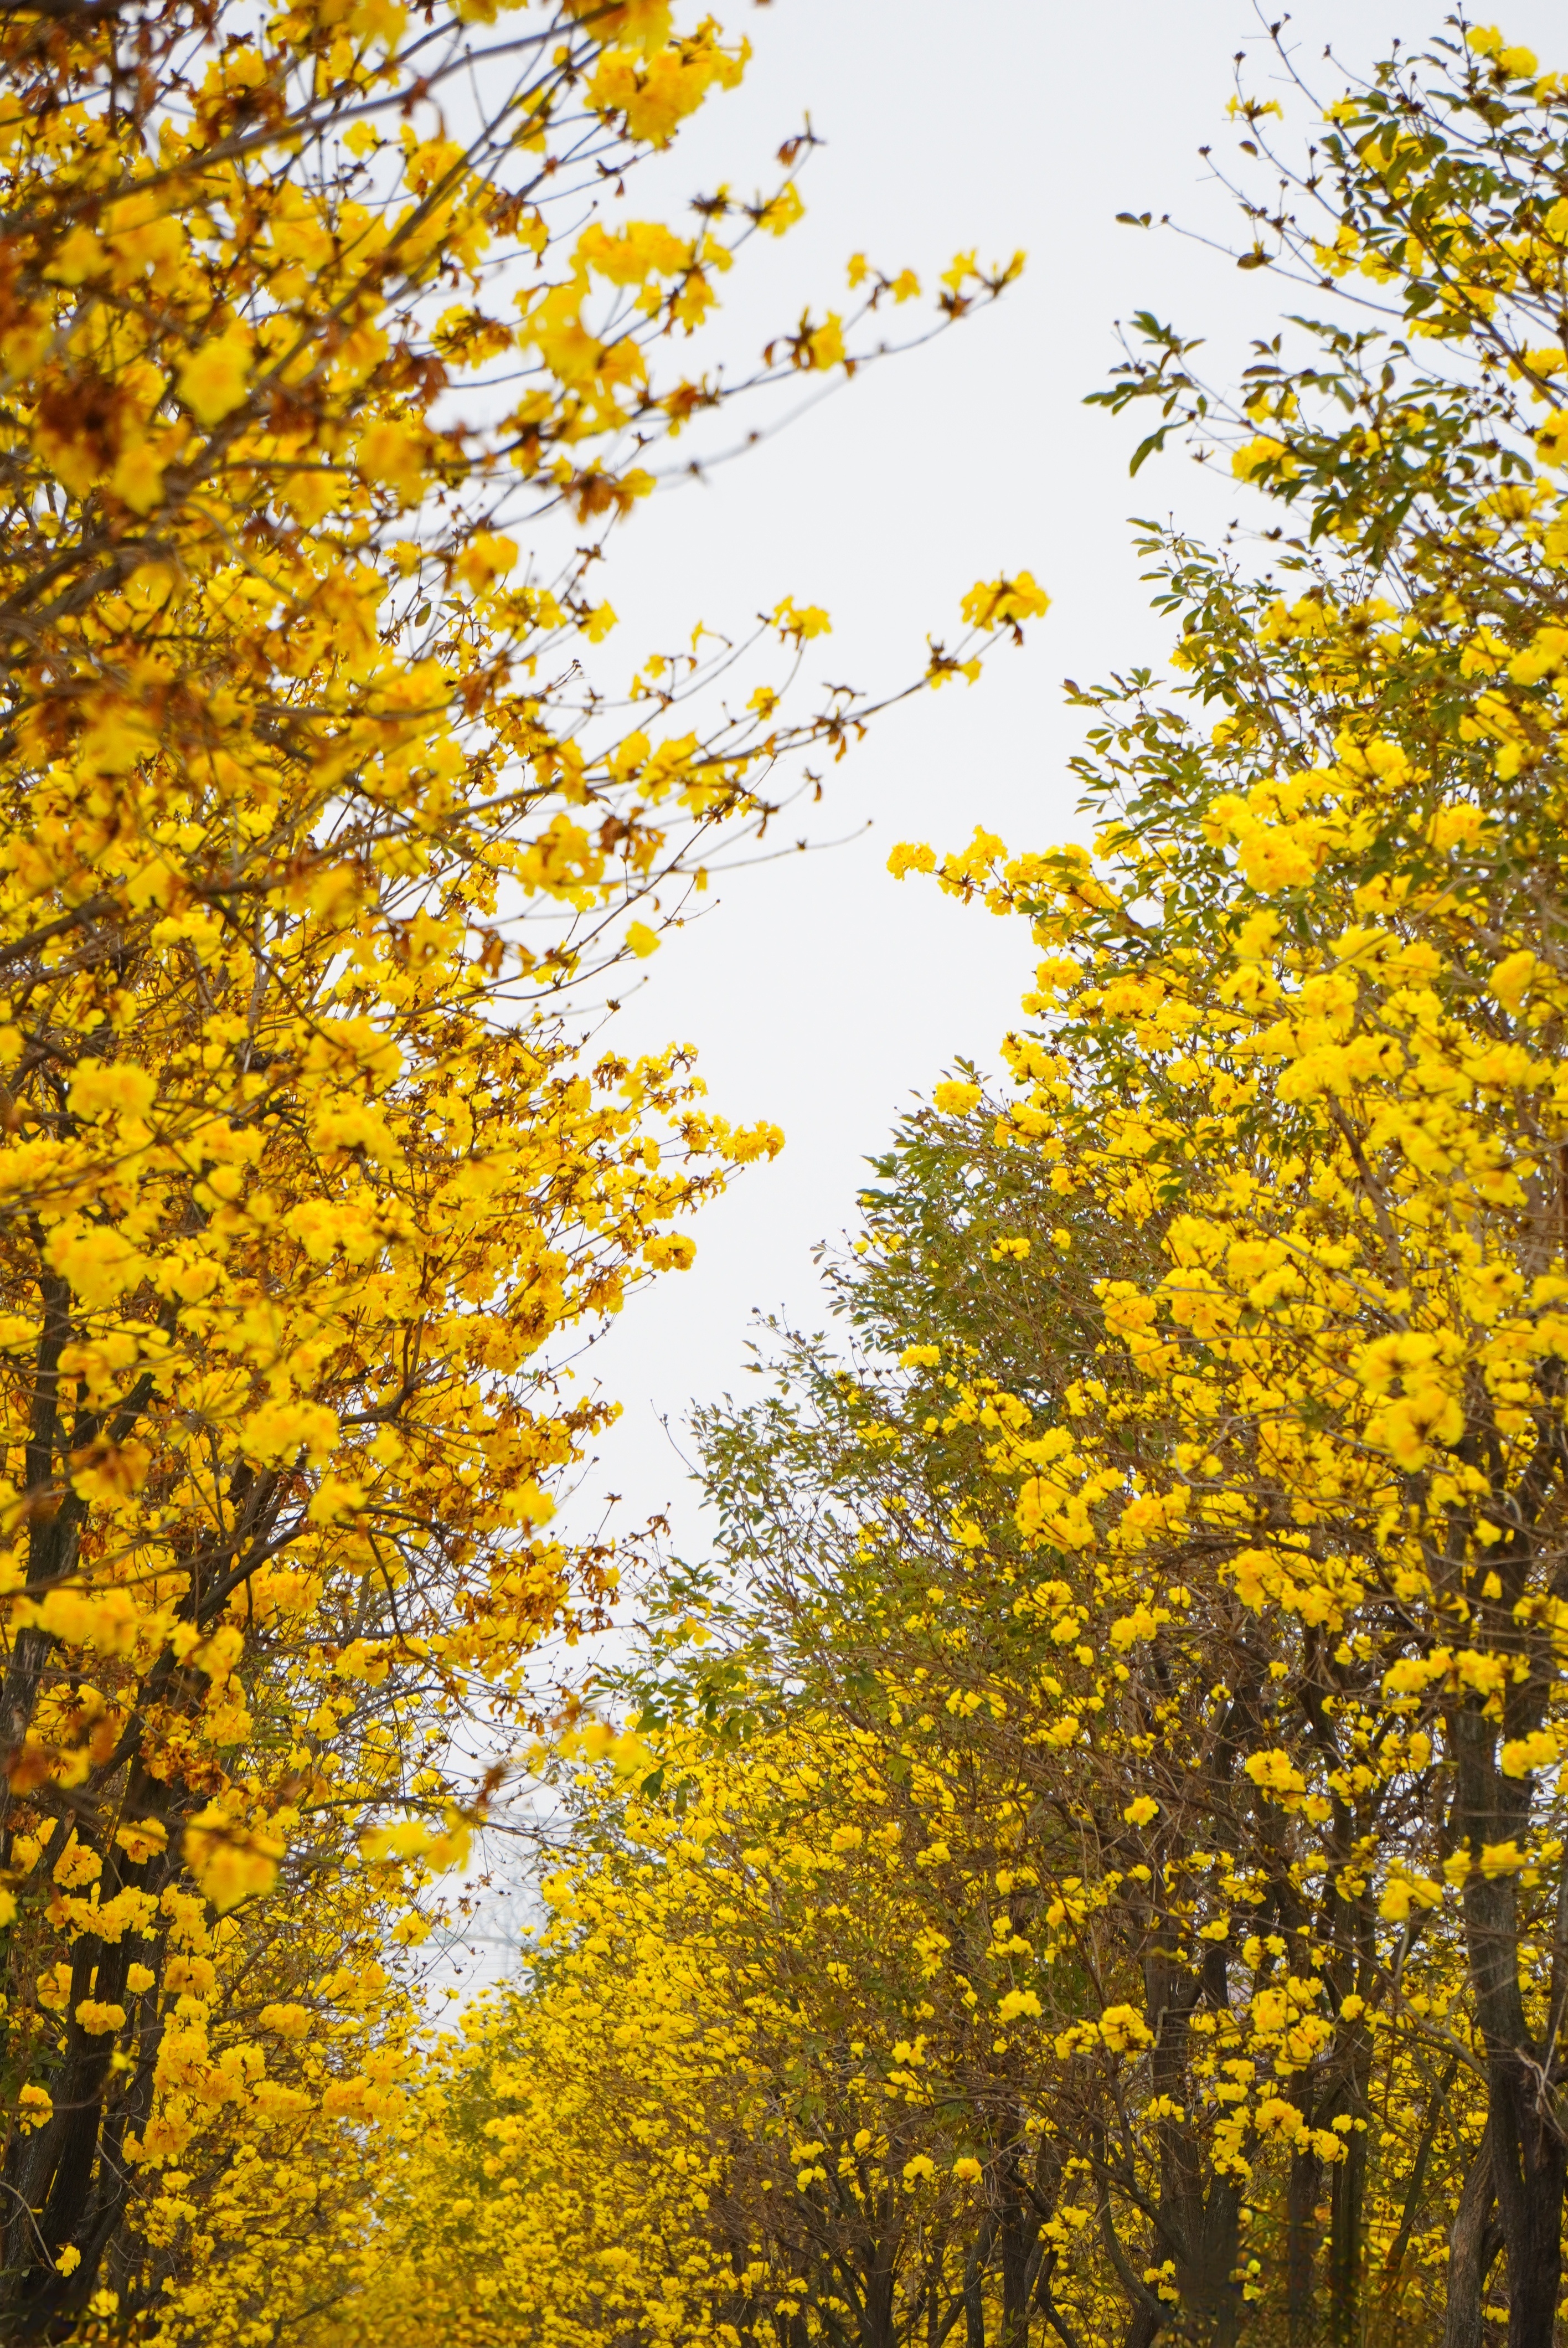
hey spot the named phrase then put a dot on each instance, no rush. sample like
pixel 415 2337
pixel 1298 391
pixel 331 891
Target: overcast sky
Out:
pixel 821 993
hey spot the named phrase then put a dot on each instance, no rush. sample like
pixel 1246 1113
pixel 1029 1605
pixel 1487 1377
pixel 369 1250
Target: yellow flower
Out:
pixel 393 453
pixel 801 621
pixel 1122 2028
pixel 1002 603
pixel 825 344
pixel 782 211
pixel 1248 462
pixel 229 1861
pixel 215 379
pixel 955 1097
pixel 1521 1754
pixel 286 2020
pixel 99 2020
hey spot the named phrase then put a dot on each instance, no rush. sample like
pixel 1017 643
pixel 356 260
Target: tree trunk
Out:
pixel 1301 2247
pixel 974 2312
pixel 1348 2197
pixel 1529 2157
pixel 1201 2228
pixel 1530 2167
pixel 1474 2245
pixel 1016 2245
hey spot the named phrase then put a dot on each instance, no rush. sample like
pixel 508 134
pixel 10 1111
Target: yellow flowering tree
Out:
pixel 310 825
pixel 1299 1020
pixel 740 2087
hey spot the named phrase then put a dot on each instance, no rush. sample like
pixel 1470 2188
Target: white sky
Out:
pixel 820 992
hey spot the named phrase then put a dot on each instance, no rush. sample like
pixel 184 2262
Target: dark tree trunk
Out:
pixel 974 2312
pixel 1301 2247
pixel 1200 2228
pixel 1529 2158
pixel 1530 2165
pixel 1474 2245
pixel 1347 2206
pixel 1018 2233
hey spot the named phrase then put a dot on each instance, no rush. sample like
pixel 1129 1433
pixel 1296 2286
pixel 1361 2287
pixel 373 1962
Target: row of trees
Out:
pixel 1090 1863
pixel 319 817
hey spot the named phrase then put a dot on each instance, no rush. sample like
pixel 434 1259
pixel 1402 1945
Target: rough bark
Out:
pixel 1347 2212
pixel 1529 2156
pixel 1301 2247
pixel 1473 2244
pixel 1199 2227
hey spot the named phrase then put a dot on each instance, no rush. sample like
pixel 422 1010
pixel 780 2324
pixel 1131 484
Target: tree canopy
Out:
pixel 1082 1859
